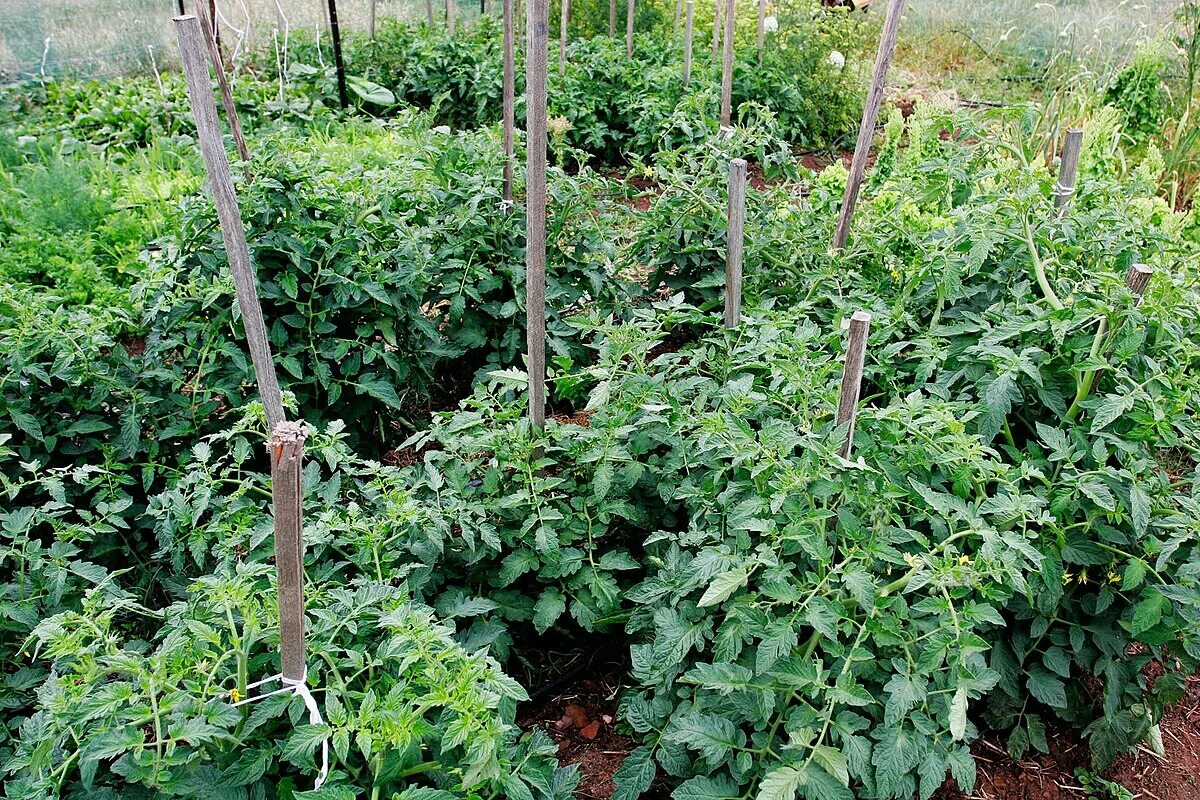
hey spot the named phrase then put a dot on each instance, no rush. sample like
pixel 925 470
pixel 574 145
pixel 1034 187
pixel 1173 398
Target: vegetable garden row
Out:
pixel 816 597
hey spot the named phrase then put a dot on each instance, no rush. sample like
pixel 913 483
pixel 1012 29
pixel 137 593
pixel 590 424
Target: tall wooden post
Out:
pixel 1137 279
pixel 450 17
pixel 629 9
pixel 687 43
pixel 866 131
pixel 509 101
pixel 212 147
pixel 335 33
pixel 734 240
pixel 429 13
pixel 612 19
pixel 856 350
pixel 286 450
pixel 371 20
pixel 678 14
pixel 1068 170
pixel 564 17
pixel 535 217
pixel 727 67
pixel 762 30
pixel 214 54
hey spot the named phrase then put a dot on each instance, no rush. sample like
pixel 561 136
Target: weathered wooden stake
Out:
pixel 371 22
pixel 612 19
pixel 519 20
pixel 212 14
pixel 734 239
pixel 716 37
pixel 535 218
pixel 450 17
pixel 212 147
pixel 235 124
pixel 1137 278
pixel 509 101
pixel 866 131
pixel 1068 170
pixel 564 17
pixel 856 350
pixel 678 15
pixel 687 43
pixel 762 29
pixel 629 9
pixel 429 13
pixel 727 67
pixel 335 33
pixel 286 450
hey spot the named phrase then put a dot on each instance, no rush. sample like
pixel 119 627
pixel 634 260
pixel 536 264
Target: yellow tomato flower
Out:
pixel 1067 576
pixel 235 695
pixel 1113 577
pixel 1083 576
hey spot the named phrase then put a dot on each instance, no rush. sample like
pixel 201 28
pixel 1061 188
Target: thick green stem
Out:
pixel 1039 267
pixel 1088 378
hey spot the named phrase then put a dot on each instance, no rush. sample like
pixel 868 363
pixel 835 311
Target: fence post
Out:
pixel 535 217
pixel 727 66
pixel 335 33
pixel 762 29
pixel 612 19
pixel 629 9
pixel 716 37
pixel 212 147
pixel 734 239
pixel 1068 170
pixel 286 450
pixel 687 43
pixel 509 101
pixel 235 124
pixel 856 350
pixel 866 131
pixel 564 16
pixel 450 18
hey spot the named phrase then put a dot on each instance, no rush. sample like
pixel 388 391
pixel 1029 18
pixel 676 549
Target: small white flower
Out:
pixel 837 59
pixel 771 24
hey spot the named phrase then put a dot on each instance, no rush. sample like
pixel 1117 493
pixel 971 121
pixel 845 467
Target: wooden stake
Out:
pixel 629 9
pixel 1068 170
pixel 286 450
pixel 563 19
pixel 727 67
pixel 509 101
pixel 856 350
pixel 734 239
pixel 535 224
pixel 371 22
pixel 429 13
pixel 762 29
pixel 336 33
pixel 687 43
pixel 450 17
pixel 866 131
pixel 1136 279
pixel 612 19
pixel 212 147
pixel 214 55
pixel 716 37
pixel 678 14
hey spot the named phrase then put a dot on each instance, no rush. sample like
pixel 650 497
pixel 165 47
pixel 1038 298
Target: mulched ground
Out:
pixel 581 719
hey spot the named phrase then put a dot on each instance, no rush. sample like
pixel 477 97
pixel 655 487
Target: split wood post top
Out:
pixel 856 349
pixel 735 239
pixel 212 147
pixel 1137 278
pixel 1068 169
pixel 866 131
pixel 286 450
pixel 535 217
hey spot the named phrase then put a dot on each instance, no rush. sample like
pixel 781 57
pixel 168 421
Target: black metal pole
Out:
pixel 179 5
pixel 337 53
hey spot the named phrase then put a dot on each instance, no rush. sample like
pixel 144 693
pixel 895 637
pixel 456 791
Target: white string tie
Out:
pixel 301 690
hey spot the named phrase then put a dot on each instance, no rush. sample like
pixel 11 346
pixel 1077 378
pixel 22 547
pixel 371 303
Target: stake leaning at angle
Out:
pixel 212 147
pixel 727 66
pixel 336 33
pixel 856 351
pixel 214 54
pixel 535 217
pixel 509 102
pixel 734 238
pixel 866 131
pixel 1068 170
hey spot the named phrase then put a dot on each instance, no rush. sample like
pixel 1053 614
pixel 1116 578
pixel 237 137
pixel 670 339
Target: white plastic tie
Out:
pixel 301 690
pixel 1064 191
